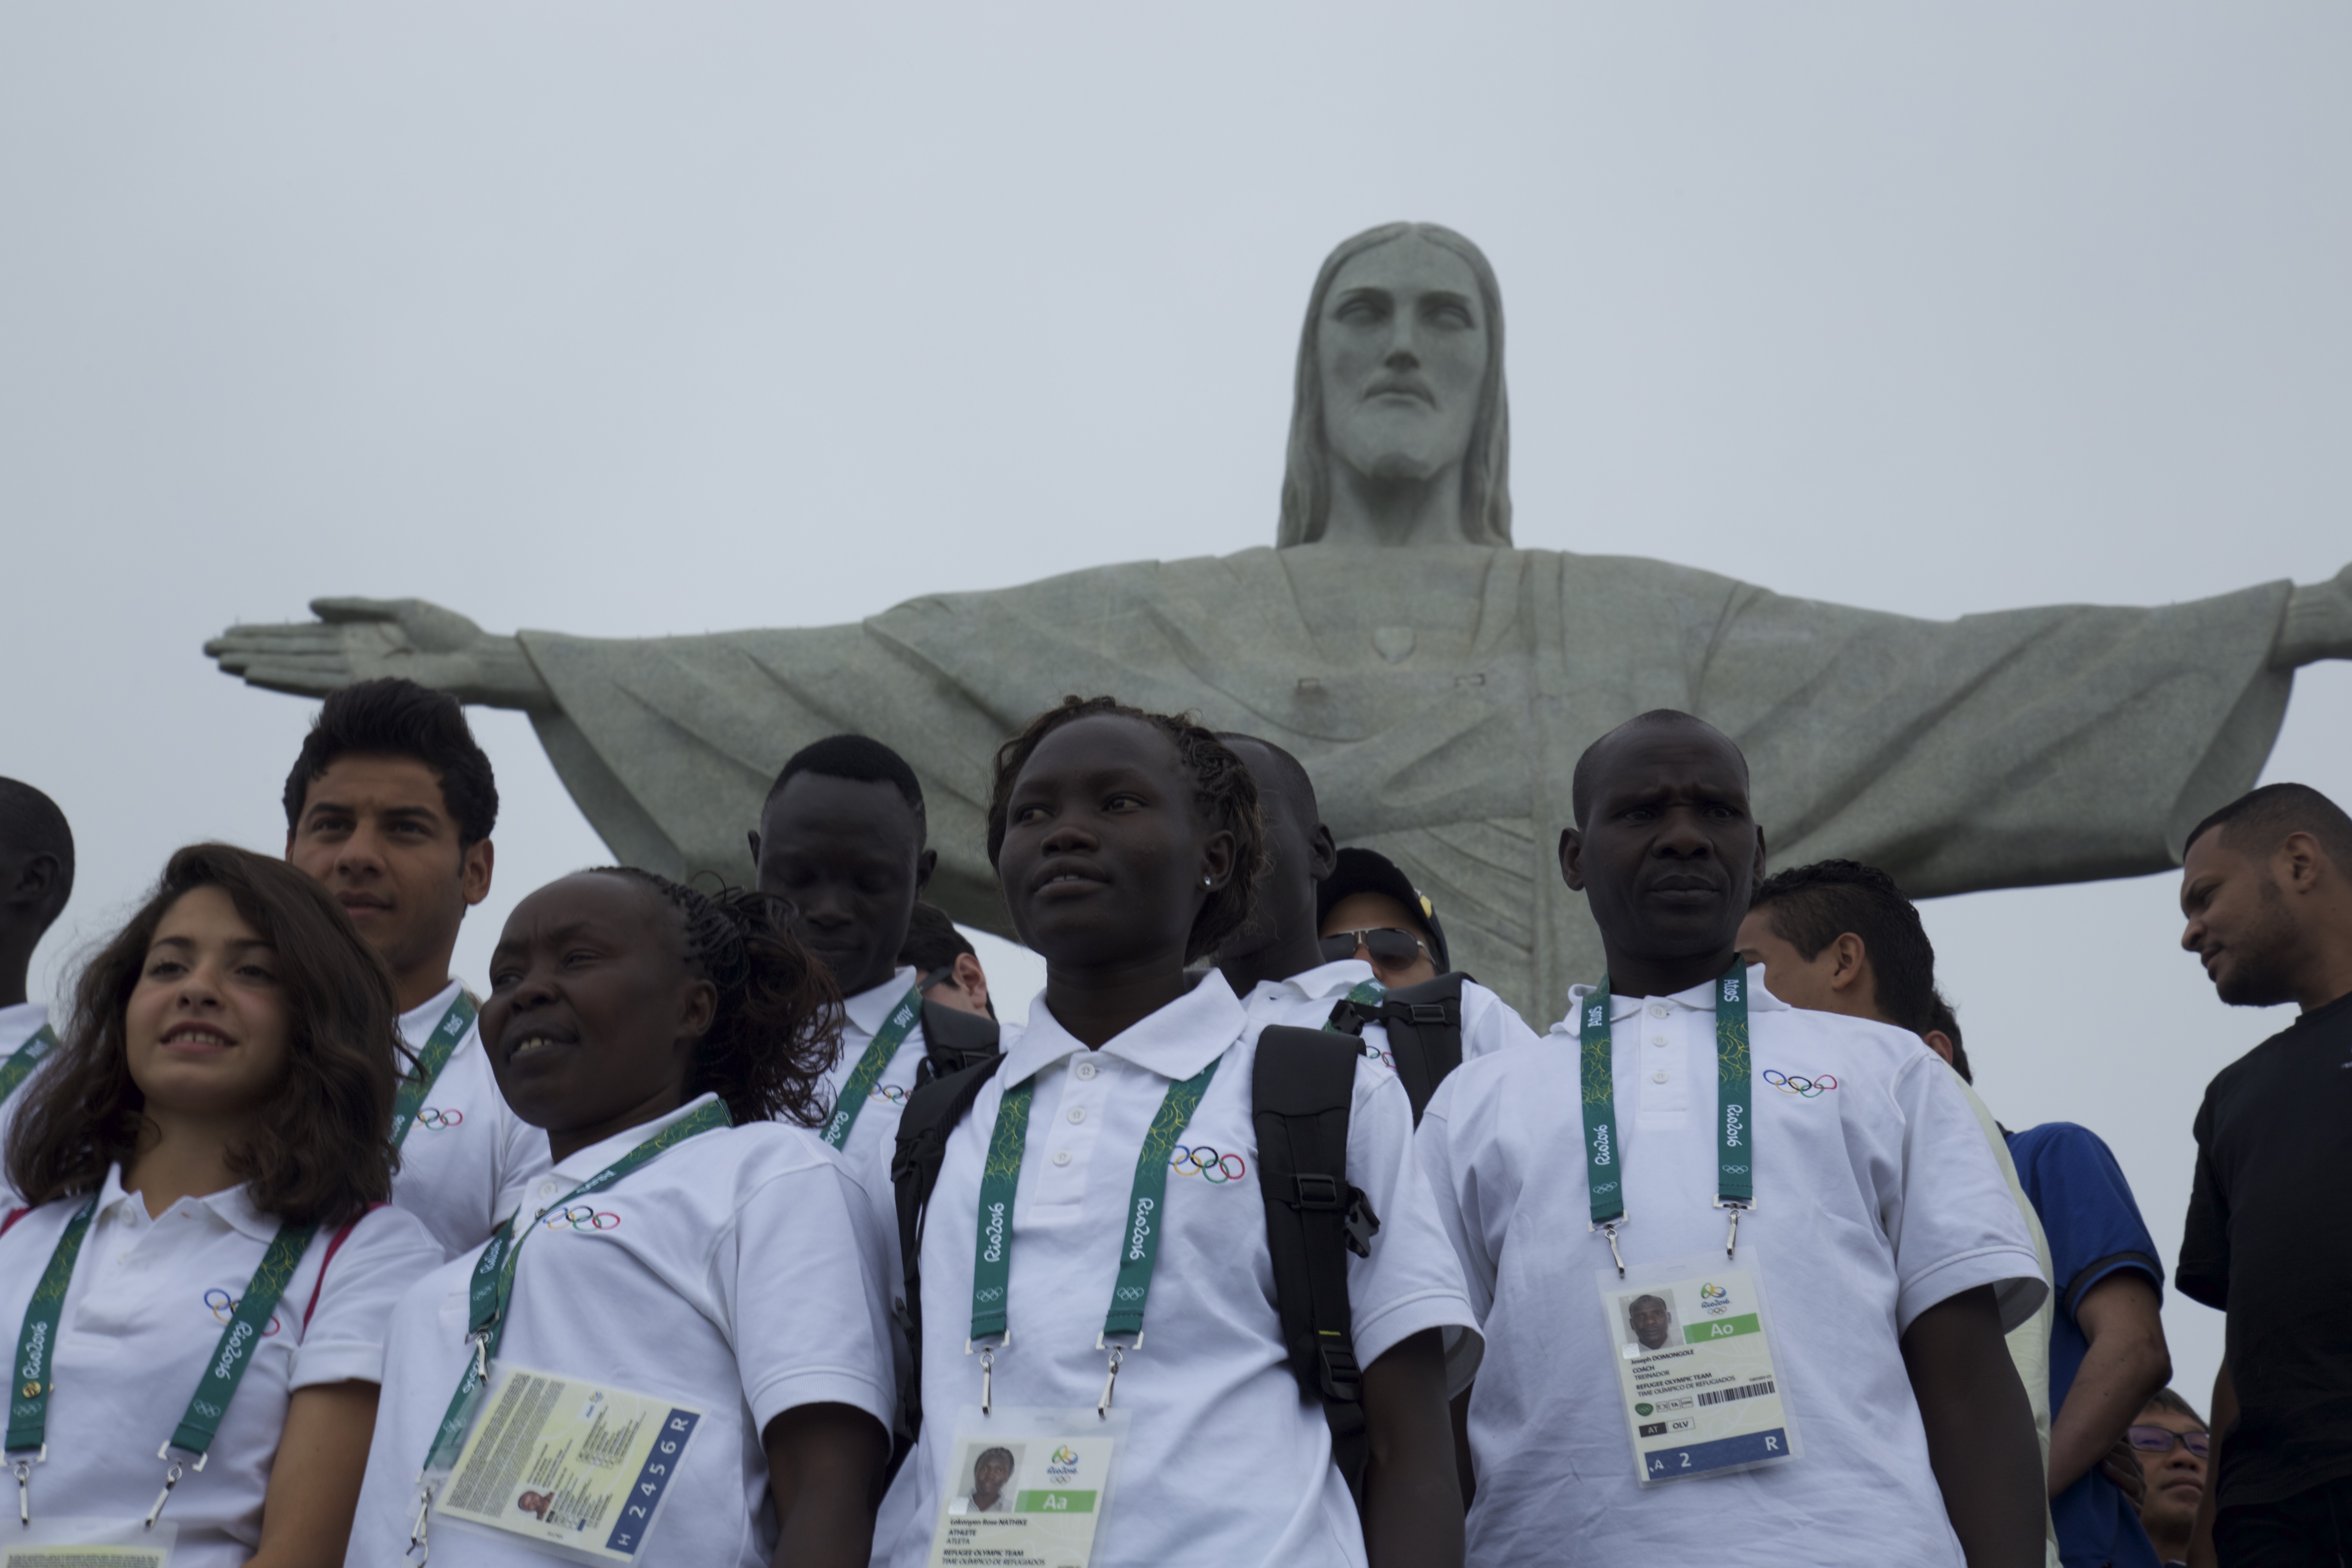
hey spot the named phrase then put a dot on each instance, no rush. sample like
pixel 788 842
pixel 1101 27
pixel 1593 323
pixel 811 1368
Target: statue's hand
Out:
pixel 360 639
pixel 2319 623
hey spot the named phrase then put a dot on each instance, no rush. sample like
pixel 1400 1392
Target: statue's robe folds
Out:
pixel 1440 696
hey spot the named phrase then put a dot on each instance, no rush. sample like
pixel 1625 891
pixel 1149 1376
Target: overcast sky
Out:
pixel 630 319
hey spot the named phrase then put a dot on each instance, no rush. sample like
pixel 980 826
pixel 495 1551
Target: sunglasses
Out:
pixel 1388 947
pixel 2160 1439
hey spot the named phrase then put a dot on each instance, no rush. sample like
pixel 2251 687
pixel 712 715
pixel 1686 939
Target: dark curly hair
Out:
pixel 1224 795
pixel 778 1023
pixel 324 1154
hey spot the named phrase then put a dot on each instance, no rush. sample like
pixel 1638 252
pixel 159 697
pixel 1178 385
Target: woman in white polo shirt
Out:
pixel 200 1290
pixel 1129 1356
pixel 678 1350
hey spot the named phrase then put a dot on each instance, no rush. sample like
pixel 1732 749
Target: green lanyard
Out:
pixel 992 1263
pixel 37 1343
pixel 1604 1149
pixel 429 1062
pixel 19 1067
pixel 492 1288
pixel 871 1066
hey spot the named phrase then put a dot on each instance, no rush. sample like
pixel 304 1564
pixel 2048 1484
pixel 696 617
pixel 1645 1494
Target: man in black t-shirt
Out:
pixel 2267 888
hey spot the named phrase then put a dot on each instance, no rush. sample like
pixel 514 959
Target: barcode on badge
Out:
pixel 1726 1396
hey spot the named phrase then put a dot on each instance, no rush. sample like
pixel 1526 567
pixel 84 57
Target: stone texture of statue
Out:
pixel 1437 682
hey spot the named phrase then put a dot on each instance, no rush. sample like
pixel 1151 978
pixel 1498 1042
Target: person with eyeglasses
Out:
pixel 2172 1445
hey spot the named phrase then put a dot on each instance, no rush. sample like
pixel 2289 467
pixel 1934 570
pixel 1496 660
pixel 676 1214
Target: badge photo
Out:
pixel 1026 1487
pixel 1704 1390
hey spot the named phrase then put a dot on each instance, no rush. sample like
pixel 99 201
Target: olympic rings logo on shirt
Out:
pixel 1788 1083
pixel 223 1305
pixel 580 1218
pixel 1373 1053
pixel 437 1118
pixel 888 1094
pixel 1207 1162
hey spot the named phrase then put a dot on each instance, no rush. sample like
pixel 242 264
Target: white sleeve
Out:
pixel 1412 1282
pixel 1489 1024
pixel 801 1277
pixel 1954 1224
pixel 347 1310
pixel 1453 1196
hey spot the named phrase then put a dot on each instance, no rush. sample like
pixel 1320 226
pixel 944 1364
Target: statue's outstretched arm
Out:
pixel 358 639
pixel 2319 623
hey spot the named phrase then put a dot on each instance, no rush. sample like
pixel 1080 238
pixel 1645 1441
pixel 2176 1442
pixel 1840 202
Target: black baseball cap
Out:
pixel 1369 872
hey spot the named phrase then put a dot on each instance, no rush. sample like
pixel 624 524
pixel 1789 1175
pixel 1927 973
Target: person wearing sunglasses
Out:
pixel 1368 909
pixel 2172 1446
pixel 1286 973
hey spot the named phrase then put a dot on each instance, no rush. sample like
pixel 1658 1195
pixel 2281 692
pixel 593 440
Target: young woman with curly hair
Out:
pixel 1128 844
pixel 695 1245
pixel 206 1266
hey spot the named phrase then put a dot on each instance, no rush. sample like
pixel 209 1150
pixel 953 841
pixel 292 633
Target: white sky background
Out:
pixel 641 319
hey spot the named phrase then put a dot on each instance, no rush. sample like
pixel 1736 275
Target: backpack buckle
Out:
pixel 1317 1191
pixel 1426 1012
pixel 1362 1224
pixel 1342 1378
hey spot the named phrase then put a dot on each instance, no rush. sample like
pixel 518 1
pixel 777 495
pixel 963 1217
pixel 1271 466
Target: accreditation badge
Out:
pixel 1026 1487
pixel 576 1468
pixel 1703 1394
pixel 88 1543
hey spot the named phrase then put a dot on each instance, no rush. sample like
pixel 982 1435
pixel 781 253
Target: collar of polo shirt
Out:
pixel 867 1009
pixel 1325 980
pixel 1699 998
pixel 1176 1042
pixel 585 1162
pixel 231 1203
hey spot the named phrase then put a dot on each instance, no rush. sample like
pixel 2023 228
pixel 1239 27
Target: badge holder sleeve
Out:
pixel 1708 1404
pixel 61 1542
pixel 598 1462
pixel 1064 1484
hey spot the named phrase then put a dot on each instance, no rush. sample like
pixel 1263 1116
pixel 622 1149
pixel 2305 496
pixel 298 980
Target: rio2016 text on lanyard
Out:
pixel 1735 1130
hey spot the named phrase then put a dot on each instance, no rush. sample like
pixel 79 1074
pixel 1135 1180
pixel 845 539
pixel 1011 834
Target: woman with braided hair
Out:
pixel 677 1349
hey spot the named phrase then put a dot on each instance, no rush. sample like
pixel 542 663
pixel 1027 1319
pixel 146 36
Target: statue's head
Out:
pixel 1401 377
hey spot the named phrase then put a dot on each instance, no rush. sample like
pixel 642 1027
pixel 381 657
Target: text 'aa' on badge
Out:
pixel 1696 1369
pixel 1026 1487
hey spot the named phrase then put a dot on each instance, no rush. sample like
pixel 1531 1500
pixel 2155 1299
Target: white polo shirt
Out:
pixel 729 1273
pixel 142 1316
pixel 18 1025
pixel 1213 1361
pixel 862 1018
pixel 1850 1251
pixel 468 1159
pixel 1305 1001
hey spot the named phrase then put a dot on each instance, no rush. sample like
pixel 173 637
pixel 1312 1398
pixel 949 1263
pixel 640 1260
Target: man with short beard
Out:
pixel 2266 884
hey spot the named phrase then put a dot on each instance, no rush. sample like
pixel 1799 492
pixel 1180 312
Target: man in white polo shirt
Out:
pixel 389 804
pixel 1281 967
pixel 1809 1195
pixel 37 867
pixel 841 840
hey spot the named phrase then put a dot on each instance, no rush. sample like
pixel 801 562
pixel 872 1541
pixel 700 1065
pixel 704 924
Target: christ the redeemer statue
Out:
pixel 1437 682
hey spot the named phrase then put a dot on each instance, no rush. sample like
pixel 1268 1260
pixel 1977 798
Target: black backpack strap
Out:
pixel 953 1040
pixel 1302 1092
pixel 1425 1027
pixel 931 1114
